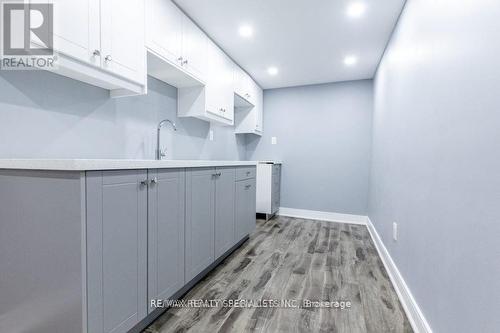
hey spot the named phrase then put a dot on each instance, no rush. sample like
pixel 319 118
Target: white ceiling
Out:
pixel 307 40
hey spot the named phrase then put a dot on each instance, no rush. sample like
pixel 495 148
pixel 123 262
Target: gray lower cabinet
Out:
pixel 42 268
pixel 166 203
pixel 200 218
pixel 116 250
pixel 244 193
pixel 224 210
pixel 123 238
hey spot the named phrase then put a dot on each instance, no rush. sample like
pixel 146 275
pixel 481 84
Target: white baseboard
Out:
pixel 322 216
pixel 413 312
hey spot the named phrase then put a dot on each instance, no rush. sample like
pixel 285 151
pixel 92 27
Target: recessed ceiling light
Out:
pixel 245 31
pixel 272 70
pixel 356 9
pixel 350 60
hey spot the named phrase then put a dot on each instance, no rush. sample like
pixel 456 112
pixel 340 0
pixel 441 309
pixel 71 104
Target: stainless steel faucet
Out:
pixel 162 153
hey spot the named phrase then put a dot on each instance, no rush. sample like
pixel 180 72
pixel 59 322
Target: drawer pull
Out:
pixel 248 186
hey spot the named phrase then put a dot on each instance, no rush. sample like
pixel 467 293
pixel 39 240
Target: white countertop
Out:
pixel 110 164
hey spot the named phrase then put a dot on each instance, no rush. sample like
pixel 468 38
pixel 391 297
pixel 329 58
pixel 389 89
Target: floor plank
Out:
pixel 296 259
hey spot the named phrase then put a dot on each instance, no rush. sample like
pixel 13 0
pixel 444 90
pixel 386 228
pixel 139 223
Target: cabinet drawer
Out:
pixel 245 173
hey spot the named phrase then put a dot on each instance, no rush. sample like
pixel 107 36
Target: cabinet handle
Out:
pixel 154 180
pixel 108 58
pixel 185 62
pixel 96 53
pixel 145 182
pixel 248 186
pixel 180 59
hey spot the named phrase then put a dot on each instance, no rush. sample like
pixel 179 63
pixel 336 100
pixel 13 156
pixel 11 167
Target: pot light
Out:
pixel 245 31
pixel 272 70
pixel 350 60
pixel 356 9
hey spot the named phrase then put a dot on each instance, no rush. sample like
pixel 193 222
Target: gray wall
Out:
pixel 43 115
pixel 436 159
pixel 324 140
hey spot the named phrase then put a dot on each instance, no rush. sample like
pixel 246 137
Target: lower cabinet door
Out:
pixel 251 206
pixel 200 218
pixel 244 208
pixel 116 250
pixel 166 203
pixel 224 210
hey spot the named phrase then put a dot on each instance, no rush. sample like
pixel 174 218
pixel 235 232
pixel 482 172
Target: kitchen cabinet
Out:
pixel 166 203
pixel 76 29
pixel 173 38
pixel 182 55
pixel 213 102
pixel 126 236
pixel 268 188
pixel 117 250
pixel 104 47
pixel 224 210
pixel 249 118
pixel 164 29
pixel 122 41
pixel 219 89
pixel 200 215
pixel 244 85
pixel 244 194
pixel 194 49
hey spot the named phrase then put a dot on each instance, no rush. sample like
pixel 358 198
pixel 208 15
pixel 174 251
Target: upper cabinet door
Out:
pixel 194 49
pixel 164 29
pixel 77 29
pixel 227 84
pixel 213 92
pixel 259 107
pixel 122 38
pixel 243 85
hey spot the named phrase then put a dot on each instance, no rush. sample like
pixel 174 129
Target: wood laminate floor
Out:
pixel 296 259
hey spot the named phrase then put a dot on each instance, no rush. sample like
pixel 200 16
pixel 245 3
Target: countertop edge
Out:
pixel 104 165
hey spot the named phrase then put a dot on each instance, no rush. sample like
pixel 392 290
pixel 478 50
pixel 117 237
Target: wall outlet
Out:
pixel 395 231
pixel 211 135
pixel 274 140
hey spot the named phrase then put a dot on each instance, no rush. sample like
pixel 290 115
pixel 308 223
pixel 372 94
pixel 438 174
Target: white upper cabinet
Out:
pixel 122 42
pixel 182 55
pixel 101 43
pixel 194 49
pixel 173 39
pixel 76 29
pixel 244 85
pixel 164 29
pixel 249 116
pixel 219 90
pixel 213 102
